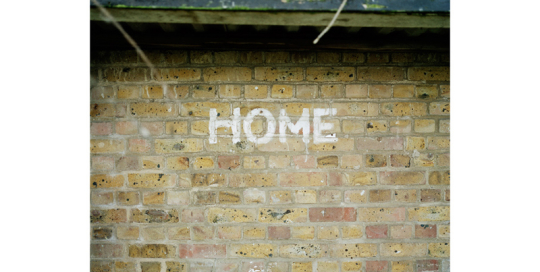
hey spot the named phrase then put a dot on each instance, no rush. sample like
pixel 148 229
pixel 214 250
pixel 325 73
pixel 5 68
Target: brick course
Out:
pixel 163 197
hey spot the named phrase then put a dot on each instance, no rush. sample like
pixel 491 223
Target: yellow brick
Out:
pixel 153 110
pixel 380 91
pixel 360 178
pixel 127 232
pixel 433 213
pixel 356 109
pixel 353 126
pixel 381 214
pixel 331 266
pixel 403 91
pixel 330 74
pixel 427 91
pixel 253 180
pixel 292 179
pixel 343 144
pixel 203 163
pixel 227 74
pixel 282 91
pixel 229 91
pixel 247 107
pixel 203 180
pixel 305 196
pixel 202 109
pixel 178 145
pixel 291 144
pixel 332 91
pixel 220 215
pixel 444 231
pixel 439 250
pixel 302 267
pixel 438 142
pixel 402 266
pixel 279 73
pixel 176 127
pixel 402 178
pixel 150 180
pixel 274 215
pixel 375 126
pixel 253 250
pixel 403 249
pixel 254 162
pixel 152 92
pixel 352 232
pixel 405 195
pixel 153 198
pixel 301 251
pixel 204 91
pixel 351 161
pixel 416 143
pixel 177 163
pixel 106 181
pixel 404 109
pixel 424 125
pixel 303 232
pixel 328 233
pixel 128 92
pixel 226 145
pixel 254 233
pixel 353 250
pixel 229 197
pixel 351 266
pixel 296 109
pixel 152 234
pixel 281 161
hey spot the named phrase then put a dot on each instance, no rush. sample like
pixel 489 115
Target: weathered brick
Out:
pixel 376 126
pixel 153 109
pixel 352 232
pixel 228 215
pixel 424 125
pixel 381 214
pixel 100 129
pixel 403 249
pixel 229 232
pixel 354 266
pixel 405 195
pixel 202 251
pixel 108 216
pixel 303 233
pixel 302 179
pixel 126 74
pixel 177 74
pixel 278 232
pixel 212 180
pixel 280 197
pixel 356 109
pixel 179 233
pixel 380 73
pixel 340 145
pixel 151 180
pixel 252 180
pixel 176 267
pixel 127 232
pixel 227 74
pixel 203 197
pixel 354 57
pixel 403 109
pixel 425 160
pixel 332 214
pixel 106 250
pixel 193 215
pixel 403 91
pixel 202 109
pixel 427 91
pixel 154 216
pixel 101 233
pixel 376 266
pixel 402 178
pixel 106 181
pixel 302 267
pixel 306 91
pixel 380 196
pixel 332 91
pixel 327 266
pixel 254 162
pixel 274 215
pixel 229 91
pixel 302 251
pixel 330 74
pixel 127 163
pixel 153 234
pixel 397 160
pixel 99 198
pixel 177 198
pixel 427 265
pixel 202 233
pixel 178 145
pixel 433 213
pixel 429 73
pixel 444 126
pixel 229 197
pixel 375 160
pixel 328 233
pixel 254 232
pixel 356 196
pixel 253 250
pixel 281 91
pixel 401 231
pixel 379 143
pixel 106 146
pixel 402 266
pixel 439 250
pixel 438 142
pixel 153 162
pixel 330 196
pixel 439 108
pixel 356 90
pixel 444 231
pixel 351 161
pixel 279 73
pixel 352 250
pixel 400 126
pixel 430 195
pixel 228 162
pixel 425 231
pixel 251 57
pixel 128 198
pixel 153 198
pixel 305 196
pixel 303 57
pixel 254 196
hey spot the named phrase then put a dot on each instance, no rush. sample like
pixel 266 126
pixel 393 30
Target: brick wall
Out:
pixel 164 198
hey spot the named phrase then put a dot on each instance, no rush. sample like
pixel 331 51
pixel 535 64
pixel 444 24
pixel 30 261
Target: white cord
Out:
pixel 331 22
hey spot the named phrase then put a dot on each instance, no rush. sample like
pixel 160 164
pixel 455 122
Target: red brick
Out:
pixel 126 127
pixel 278 233
pixel 427 265
pixel 332 214
pixel 304 161
pixel 376 266
pixel 229 162
pixel 378 231
pixel 101 128
pixel 139 145
pixel 202 251
pixel 425 231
